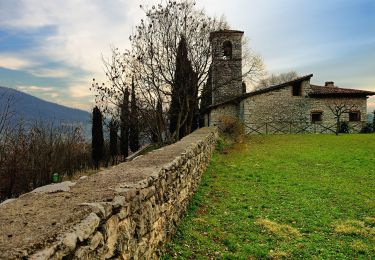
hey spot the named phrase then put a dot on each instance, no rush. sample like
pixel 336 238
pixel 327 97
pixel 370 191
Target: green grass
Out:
pixel 284 196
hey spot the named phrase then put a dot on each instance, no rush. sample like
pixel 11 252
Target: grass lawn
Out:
pixel 284 196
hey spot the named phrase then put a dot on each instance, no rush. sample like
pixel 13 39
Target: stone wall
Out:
pixel 281 110
pixel 230 110
pixel 126 212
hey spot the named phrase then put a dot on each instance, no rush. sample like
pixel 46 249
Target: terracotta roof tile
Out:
pixel 336 91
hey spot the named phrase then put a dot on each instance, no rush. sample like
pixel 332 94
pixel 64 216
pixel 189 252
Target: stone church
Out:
pixel 292 107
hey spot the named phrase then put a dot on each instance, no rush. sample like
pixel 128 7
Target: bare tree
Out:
pixel 6 112
pixel 338 107
pixel 152 60
pixel 110 96
pixel 275 79
pixel 30 155
pixel 252 64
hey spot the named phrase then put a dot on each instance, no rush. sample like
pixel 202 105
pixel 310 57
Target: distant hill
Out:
pixel 30 109
pixel 370 117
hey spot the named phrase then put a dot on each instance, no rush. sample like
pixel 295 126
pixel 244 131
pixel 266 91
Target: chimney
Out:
pixel 330 84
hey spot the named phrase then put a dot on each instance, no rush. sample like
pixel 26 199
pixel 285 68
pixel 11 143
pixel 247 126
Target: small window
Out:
pixel 316 116
pixel 227 50
pixel 297 90
pixel 354 116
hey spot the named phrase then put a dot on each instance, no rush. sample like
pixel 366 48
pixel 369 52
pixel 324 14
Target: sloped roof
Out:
pixel 327 91
pixel 276 87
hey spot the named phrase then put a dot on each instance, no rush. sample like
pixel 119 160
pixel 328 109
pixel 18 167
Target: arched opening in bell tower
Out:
pixel 227 50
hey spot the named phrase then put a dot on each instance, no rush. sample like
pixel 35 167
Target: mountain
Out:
pixel 29 108
pixel 370 117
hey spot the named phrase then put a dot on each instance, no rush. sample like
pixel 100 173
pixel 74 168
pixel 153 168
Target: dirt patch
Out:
pixel 278 254
pixel 280 230
pixel 356 228
pixel 359 246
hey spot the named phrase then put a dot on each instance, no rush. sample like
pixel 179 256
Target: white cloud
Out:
pixel 48 93
pixel 35 88
pixel 80 89
pixel 87 106
pixel 12 62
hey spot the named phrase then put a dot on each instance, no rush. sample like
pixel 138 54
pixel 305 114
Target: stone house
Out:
pixel 292 107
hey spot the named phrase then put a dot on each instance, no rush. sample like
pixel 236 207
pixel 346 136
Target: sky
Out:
pixel 53 49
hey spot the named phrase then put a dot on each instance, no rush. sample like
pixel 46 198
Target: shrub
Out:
pixel 232 127
pixel 367 128
pixel 220 144
pixel 344 127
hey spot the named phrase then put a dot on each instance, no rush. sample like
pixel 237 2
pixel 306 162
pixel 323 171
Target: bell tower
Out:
pixel 226 65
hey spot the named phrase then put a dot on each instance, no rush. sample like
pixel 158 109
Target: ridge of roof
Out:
pixel 327 91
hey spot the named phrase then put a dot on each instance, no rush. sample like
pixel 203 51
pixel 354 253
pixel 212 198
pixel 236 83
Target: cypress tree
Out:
pixel 113 129
pixel 134 125
pixel 97 136
pixel 206 98
pixel 157 126
pixel 124 138
pixel 184 93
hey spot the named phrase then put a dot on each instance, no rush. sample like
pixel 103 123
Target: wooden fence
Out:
pixel 298 128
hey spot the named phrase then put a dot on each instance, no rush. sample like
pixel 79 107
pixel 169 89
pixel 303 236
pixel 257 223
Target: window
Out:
pixel 316 116
pixel 297 90
pixel 227 50
pixel 354 116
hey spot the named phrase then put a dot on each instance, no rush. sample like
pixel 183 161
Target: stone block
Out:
pixel 87 226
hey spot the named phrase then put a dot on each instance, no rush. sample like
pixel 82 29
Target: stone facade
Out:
pixel 224 110
pixel 284 112
pixel 226 65
pixel 127 212
pixel 278 105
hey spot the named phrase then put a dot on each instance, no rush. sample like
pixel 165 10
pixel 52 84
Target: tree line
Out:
pixel 30 152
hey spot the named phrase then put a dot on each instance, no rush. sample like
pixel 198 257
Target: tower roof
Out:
pixel 225 31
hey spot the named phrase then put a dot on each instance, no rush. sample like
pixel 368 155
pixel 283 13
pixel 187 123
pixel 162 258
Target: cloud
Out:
pixel 12 62
pixel 48 93
pixel 84 30
pixel 87 106
pixel 80 89
pixel 35 88
pixel 50 73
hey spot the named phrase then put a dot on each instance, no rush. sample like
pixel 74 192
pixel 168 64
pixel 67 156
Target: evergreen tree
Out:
pixel 157 131
pixel 113 129
pixel 124 137
pixel 206 98
pixel 134 124
pixel 97 136
pixel 373 123
pixel 184 94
